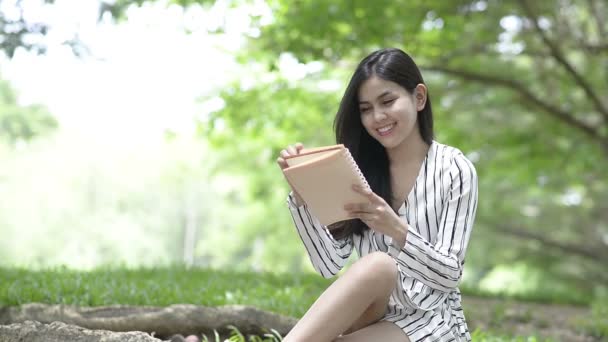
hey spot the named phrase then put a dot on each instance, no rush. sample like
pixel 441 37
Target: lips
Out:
pixel 386 130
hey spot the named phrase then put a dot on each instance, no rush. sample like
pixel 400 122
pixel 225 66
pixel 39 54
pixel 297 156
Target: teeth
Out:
pixel 385 128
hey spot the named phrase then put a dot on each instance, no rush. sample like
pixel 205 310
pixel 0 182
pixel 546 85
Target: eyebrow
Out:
pixel 386 92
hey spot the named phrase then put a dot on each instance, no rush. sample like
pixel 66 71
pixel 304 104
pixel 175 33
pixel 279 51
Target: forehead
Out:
pixel 375 86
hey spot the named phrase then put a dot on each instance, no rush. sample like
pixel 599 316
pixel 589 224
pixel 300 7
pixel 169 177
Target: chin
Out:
pixel 388 144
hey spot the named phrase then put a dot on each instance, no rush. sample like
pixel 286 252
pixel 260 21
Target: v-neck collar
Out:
pixel 429 154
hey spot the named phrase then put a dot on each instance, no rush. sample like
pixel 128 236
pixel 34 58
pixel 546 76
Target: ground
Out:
pixel 557 322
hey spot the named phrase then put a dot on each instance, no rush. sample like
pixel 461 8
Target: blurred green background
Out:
pixel 145 133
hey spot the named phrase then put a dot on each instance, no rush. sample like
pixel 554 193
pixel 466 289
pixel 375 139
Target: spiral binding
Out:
pixel 356 167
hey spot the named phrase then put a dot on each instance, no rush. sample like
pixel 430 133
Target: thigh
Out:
pixel 382 331
pixel 377 309
pixel 372 315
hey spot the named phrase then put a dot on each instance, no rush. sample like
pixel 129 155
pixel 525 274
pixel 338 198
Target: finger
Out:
pixel 299 146
pixel 292 150
pixel 284 154
pixel 357 207
pixel 365 217
pixel 282 163
pixel 375 211
pixel 358 214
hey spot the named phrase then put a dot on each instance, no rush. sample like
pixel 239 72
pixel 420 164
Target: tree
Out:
pixel 518 85
pixel 519 88
pixel 21 123
pixel 16 31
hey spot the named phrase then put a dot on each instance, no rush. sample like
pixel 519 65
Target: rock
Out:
pixel 177 338
pixel 180 338
pixel 32 331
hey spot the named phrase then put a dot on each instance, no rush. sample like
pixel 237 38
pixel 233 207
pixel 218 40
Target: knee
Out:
pixel 378 268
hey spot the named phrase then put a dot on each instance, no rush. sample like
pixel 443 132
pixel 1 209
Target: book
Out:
pixel 324 177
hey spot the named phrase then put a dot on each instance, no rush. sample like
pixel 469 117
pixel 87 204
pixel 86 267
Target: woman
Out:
pixel 412 234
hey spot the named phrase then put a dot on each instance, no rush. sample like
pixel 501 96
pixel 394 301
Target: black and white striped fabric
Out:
pixel 440 211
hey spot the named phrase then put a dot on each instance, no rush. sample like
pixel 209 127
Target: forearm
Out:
pixel 435 267
pixel 327 255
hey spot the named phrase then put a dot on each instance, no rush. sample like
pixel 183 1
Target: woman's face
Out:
pixel 389 112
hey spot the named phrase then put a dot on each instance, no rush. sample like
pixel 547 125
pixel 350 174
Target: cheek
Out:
pixel 368 126
pixel 406 111
pixel 365 121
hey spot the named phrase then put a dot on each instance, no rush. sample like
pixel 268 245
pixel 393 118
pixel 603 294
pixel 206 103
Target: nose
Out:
pixel 379 115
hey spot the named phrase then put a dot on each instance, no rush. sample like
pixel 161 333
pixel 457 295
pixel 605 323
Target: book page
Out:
pixel 302 159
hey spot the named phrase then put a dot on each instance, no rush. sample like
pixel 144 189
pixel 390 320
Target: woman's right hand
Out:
pixel 291 150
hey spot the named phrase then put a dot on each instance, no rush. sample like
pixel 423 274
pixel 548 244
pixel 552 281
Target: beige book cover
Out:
pixel 323 177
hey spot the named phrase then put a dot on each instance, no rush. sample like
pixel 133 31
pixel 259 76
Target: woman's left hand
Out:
pixel 377 215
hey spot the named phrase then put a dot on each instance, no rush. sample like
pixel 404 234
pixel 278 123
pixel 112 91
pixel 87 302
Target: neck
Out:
pixel 413 149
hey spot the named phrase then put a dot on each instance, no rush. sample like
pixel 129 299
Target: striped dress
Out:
pixel 440 210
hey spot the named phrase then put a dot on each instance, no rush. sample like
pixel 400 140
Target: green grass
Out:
pixel 598 324
pixel 481 336
pixel 284 294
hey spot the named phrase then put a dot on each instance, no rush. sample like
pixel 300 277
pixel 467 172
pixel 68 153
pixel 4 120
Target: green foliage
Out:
pixel 117 9
pixel 527 284
pixel 18 32
pixel 520 101
pixel 598 324
pixel 21 123
pixel 236 336
pixel 248 134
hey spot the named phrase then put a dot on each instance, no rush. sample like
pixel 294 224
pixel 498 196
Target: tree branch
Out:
pixel 557 54
pixel 596 13
pixel 595 48
pixel 163 321
pixel 579 37
pixel 528 95
pixel 586 251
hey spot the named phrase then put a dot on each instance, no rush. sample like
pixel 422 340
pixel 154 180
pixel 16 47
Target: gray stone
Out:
pixel 32 331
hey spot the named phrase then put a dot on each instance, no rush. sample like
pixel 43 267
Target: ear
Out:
pixel 420 96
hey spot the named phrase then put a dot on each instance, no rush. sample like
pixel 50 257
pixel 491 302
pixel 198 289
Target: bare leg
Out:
pixel 356 299
pixel 382 331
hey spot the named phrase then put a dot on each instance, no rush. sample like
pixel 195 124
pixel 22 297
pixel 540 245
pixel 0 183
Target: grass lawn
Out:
pixel 288 295
pixel 285 294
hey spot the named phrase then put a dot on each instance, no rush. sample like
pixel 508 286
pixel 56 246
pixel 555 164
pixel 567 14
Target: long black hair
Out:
pixel 392 65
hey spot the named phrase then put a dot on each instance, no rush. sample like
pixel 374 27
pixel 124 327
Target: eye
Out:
pixel 364 109
pixel 388 102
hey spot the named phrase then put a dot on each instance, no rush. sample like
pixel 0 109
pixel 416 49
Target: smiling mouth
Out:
pixel 386 130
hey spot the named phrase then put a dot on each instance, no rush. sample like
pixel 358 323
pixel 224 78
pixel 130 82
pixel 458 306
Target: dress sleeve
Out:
pixel 439 266
pixel 326 254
